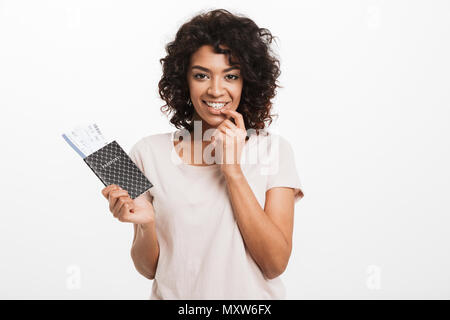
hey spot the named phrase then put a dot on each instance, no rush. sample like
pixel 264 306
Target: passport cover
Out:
pixel 112 165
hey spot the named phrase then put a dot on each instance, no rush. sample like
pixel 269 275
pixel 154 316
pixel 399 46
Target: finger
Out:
pixel 116 193
pixel 108 189
pixel 119 205
pixel 124 212
pixel 217 137
pixel 229 137
pixel 229 124
pixel 114 196
pixel 238 118
pixel 235 132
pixel 228 130
pixel 120 201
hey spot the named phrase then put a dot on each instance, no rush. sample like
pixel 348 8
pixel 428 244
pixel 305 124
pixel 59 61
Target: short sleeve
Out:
pixel 136 155
pixel 283 171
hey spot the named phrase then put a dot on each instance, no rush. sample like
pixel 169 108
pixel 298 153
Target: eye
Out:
pixel 202 76
pixel 232 75
pixel 199 74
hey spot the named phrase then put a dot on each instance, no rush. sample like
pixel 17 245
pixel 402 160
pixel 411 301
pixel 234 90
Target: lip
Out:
pixel 215 111
pixel 216 101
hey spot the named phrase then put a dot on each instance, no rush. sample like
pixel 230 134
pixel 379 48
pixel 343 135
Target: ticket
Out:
pixel 85 139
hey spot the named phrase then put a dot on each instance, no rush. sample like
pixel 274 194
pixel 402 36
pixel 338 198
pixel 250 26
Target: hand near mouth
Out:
pixel 231 139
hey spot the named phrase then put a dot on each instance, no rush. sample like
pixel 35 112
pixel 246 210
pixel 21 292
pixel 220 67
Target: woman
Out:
pixel 214 226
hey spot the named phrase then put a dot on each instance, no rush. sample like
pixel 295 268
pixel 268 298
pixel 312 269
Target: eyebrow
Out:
pixel 207 70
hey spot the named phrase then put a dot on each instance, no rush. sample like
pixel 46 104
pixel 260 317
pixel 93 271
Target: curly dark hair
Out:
pixel 248 43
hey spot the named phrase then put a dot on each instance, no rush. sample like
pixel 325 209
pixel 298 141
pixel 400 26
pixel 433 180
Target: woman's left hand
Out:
pixel 229 140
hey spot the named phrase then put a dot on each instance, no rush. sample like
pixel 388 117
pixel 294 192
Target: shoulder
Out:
pixel 153 141
pixel 272 140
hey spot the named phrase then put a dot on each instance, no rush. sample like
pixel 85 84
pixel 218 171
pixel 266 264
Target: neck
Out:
pixel 198 132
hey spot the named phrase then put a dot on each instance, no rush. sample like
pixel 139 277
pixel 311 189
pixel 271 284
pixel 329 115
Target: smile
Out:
pixel 214 107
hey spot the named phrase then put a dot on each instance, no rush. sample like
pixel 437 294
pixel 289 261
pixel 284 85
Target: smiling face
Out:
pixel 211 79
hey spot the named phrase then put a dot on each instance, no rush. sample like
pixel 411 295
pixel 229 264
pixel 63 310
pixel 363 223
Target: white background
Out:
pixel 365 105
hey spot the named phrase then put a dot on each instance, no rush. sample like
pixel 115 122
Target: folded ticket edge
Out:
pixel 73 146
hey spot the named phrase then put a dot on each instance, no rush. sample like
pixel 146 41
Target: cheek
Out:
pixel 195 90
pixel 195 87
pixel 237 91
pixel 237 97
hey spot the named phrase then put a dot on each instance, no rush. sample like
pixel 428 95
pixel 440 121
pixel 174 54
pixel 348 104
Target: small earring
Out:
pixel 189 102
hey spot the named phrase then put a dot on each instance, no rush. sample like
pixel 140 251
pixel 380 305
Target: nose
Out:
pixel 216 88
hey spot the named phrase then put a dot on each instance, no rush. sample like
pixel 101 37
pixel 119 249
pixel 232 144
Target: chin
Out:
pixel 215 121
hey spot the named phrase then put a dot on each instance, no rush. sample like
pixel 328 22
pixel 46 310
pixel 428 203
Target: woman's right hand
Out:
pixel 125 209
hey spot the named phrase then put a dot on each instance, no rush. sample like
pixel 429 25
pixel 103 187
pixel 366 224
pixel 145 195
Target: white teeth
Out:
pixel 216 105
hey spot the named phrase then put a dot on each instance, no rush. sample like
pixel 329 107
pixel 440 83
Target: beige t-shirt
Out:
pixel 202 252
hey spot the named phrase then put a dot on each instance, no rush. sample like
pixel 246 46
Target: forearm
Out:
pixel 263 239
pixel 145 250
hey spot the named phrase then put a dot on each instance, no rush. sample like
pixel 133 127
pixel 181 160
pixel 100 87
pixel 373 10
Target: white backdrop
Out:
pixel 365 105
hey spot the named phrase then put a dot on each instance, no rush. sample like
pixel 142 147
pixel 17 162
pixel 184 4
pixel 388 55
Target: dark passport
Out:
pixel 113 166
